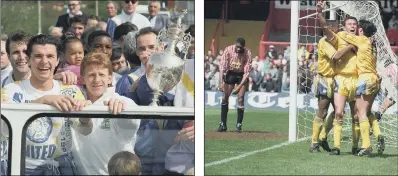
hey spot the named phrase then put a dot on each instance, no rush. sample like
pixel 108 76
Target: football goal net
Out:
pixel 305 34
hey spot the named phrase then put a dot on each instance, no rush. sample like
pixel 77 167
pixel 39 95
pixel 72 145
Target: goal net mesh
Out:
pixel 310 33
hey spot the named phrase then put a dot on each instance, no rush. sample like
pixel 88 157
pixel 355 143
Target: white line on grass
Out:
pixel 224 152
pixel 252 153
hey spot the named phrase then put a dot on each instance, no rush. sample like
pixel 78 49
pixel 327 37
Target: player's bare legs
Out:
pixel 241 108
pixel 227 90
pixel 323 106
pixel 362 103
pixel 339 103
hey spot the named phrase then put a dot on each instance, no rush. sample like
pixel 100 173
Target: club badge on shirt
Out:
pixel 235 65
pixel 68 91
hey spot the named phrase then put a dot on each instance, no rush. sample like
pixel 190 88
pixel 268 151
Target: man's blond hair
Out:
pixel 124 163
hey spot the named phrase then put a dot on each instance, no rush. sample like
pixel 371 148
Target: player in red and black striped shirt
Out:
pixel 234 69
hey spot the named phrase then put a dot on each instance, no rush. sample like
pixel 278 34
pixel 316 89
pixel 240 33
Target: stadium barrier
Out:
pixel 274 101
pixel 18 116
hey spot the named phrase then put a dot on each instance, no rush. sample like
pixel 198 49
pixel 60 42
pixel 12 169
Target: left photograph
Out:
pixel 97 87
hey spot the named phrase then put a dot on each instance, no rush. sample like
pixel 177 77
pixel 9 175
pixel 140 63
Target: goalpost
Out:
pixel 305 30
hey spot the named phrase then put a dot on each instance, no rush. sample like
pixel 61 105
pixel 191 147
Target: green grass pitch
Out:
pixel 263 129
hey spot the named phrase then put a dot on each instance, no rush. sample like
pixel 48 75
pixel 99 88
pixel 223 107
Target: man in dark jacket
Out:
pixel 158 22
pixel 64 20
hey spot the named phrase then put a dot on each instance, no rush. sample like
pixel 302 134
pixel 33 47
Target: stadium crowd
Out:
pixel 86 61
pixel 271 73
pixel 390 22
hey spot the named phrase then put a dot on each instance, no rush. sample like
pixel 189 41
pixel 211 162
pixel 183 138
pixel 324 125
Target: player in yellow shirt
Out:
pixel 345 78
pixel 367 86
pixel 324 85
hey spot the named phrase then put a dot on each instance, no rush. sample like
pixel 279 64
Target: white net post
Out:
pixel 294 38
pixel 332 15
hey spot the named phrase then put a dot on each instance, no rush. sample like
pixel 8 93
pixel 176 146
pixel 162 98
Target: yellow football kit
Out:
pixel 324 82
pixel 345 69
pixel 366 65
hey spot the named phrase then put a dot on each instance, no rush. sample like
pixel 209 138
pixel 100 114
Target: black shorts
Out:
pixel 233 78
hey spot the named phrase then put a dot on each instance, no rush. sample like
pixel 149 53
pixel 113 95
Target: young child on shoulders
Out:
pixel 73 53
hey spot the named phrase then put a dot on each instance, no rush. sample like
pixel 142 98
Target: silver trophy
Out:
pixel 165 69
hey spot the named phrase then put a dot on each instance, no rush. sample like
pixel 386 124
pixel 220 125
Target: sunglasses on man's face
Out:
pixel 132 1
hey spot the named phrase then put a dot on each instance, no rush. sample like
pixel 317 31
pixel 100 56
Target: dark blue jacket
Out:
pixel 152 143
pixel 124 83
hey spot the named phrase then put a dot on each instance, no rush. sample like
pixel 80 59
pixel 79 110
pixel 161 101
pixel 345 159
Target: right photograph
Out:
pixel 301 87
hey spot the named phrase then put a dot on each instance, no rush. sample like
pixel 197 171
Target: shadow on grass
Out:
pixel 372 155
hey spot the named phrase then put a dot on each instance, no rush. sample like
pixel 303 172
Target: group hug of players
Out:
pixel 346 73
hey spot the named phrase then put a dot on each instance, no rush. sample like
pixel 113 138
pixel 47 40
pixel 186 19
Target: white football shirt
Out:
pixel 46 137
pixel 92 153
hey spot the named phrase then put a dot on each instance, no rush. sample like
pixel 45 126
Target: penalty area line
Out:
pixel 253 152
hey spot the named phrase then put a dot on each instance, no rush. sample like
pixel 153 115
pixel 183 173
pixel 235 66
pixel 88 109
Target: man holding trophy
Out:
pixel 164 70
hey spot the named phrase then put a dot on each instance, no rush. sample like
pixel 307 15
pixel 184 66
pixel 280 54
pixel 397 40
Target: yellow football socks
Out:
pixel 375 125
pixel 316 128
pixel 356 131
pixel 365 127
pixel 326 127
pixel 337 130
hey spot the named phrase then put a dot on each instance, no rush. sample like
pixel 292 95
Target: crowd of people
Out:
pixel 85 61
pixel 271 73
pixel 389 18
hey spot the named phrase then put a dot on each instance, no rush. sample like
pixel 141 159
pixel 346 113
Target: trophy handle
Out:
pixel 186 40
pixel 162 36
pixel 179 19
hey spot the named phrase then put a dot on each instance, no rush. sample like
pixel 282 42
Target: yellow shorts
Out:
pixel 367 84
pixel 345 85
pixel 323 86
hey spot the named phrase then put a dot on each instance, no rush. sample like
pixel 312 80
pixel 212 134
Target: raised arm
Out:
pixel 325 28
pixel 328 49
pixel 352 39
pixel 340 53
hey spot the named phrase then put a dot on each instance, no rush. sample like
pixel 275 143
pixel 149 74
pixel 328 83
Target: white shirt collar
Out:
pixel 78 13
pixel 142 69
pixel 128 17
pixel 153 21
pixel 6 70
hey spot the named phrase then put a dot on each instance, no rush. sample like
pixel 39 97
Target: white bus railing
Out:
pixel 17 116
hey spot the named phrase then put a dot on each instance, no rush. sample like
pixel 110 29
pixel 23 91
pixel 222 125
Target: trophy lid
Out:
pixel 175 34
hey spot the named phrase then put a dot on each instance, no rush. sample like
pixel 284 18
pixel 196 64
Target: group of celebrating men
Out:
pixel 347 73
